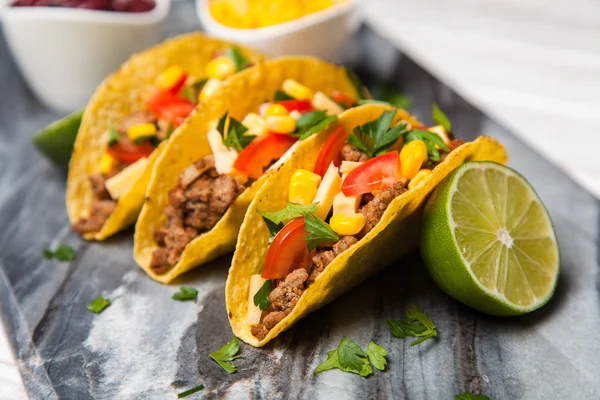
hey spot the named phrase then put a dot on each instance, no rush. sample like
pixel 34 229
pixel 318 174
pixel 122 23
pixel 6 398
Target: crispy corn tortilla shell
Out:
pixel 124 92
pixel 395 235
pixel 240 95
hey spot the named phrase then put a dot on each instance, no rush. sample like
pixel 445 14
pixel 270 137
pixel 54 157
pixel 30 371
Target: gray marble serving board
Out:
pixel 149 346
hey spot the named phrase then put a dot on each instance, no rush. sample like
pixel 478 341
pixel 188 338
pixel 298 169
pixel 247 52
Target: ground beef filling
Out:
pixel 288 291
pixel 195 206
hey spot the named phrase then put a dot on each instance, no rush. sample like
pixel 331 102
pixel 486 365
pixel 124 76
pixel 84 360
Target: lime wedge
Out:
pixel 488 241
pixel 57 139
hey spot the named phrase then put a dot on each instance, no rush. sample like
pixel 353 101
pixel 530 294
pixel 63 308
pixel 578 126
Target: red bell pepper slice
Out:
pixel 331 150
pixel 287 252
pixel 376 174
pixel 261 151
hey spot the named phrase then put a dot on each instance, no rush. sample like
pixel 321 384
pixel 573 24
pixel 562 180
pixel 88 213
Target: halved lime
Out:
pixel 57 139
pixel 488 241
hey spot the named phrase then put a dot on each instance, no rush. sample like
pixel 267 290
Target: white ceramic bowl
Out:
pixel 322 34
pixel 64 53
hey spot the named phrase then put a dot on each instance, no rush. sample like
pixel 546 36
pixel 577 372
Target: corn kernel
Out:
pixel 302 192
pixel 347 224
pixel 281 124
pixel 412 156
pixel 141 131
pixel 297 90
pixel 106 164
pixel 255 124
pixel 220 68
pixel 209 88
pixel 276 110
pixel 419 177
pixel 169 77
pixel 306 175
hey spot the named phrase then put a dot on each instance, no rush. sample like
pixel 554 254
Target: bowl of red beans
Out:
pixel 65 48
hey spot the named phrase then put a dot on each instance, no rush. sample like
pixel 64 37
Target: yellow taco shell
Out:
pixel 396 233
pixel 240 95
pixel 122 93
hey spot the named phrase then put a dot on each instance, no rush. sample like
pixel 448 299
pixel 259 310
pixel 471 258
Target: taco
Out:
pixel 346 204
pixel 128 121
pixel 211 168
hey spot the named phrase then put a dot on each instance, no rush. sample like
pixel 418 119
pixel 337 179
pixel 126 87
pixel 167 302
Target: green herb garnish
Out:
pixel 470 396
pixel 289 212
pixel 238 58
pixel 312 122
pixel 317 232
pixel 62 253
pixel 440 118
pixel 190 94
pixel 376 137
pixel 185 294
pixel 280 95
pixel 226 354
pixel 430 139
pixel 261 298
pixel 234 137
pixel 358 85
pixel 98 305
pixel 418 324
pixel 349 357
pixel 190 391
pixel 113 137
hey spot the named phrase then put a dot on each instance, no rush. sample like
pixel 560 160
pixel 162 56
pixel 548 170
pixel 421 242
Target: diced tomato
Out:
pixel 290 105
pixel 178 85
pixel 169 107
pixel 287 252
pixel 261 151
pixel 128 152
pixel 331 150
pixel 341 98
pixel 376 174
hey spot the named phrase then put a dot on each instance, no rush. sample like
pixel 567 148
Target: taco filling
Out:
pixel 355 178
pixel 241 153
pixel 132 140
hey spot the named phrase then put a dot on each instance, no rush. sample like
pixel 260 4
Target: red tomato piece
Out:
pixel 290 105
pixel 287 252
pixel 128 152
pixel 376 174
pixel 261 151
pixel 169 107
pixel 341 98
pixel 178 85
pixel 331 150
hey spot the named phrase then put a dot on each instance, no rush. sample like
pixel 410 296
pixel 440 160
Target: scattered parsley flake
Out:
pixel 289 212
pixel 349 357
pixel 62 253
pixel 114 136
pixel 376 355
pixel 98 305
pixel 185 294
pixel 190 391
pixel 317 232
pixel 261 298
pixel 238 58
pixel 440 118
pixel 233 132
pixel 470 396
pixel 226 354
pixel 312 122
pixel 418 324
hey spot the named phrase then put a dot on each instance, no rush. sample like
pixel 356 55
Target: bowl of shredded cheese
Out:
pixel 283 27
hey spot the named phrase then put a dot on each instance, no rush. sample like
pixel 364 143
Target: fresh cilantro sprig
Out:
pixel 431 140
pixel 113 135
pixel 237 57
pixel 280 95
pixel 349 357
pixel 376 137
pixel 185 294
pixel 232 132
pixel 440 118
pixel 312 122
pixel 289 212
pixel 470 396
pixel 261 298
pixel 190 391
pixel 361 90
pixel 317 232
pixel 226 354
pixel 418 324
pixel 62 253
pixel 98 305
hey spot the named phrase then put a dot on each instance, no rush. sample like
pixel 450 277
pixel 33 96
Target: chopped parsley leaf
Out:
pixel 185 294
pixel 418 324
pixel 238 58
pixel 430 139
pixel 232 132
pixel 317 232
pixel 190 391
pixel 98 305
pixel 113 137
pixel 440 118
pixel 261 298
pixel 62 253
pixel 289 212
pixel 226 354
pixel 470 396
pixel 349 357
pixel 376 355
pixel 312 122
pixel 376 137
pixel 281 95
